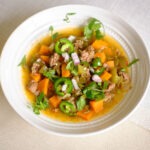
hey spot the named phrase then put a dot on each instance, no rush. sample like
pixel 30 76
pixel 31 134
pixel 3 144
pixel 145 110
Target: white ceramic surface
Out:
pixel 36 26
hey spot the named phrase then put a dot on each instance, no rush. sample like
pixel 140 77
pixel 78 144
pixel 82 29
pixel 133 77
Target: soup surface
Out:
pixel 71 78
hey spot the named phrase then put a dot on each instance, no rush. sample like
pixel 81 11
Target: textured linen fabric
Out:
pixel 134 133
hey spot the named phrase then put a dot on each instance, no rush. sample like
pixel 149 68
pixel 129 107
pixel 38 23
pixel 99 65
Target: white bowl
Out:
pixel 22 39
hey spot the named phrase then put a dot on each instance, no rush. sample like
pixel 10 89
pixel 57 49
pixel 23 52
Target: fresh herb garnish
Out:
pixel 94 28
pixel 53 35
pixel 133 62
pixel 105 85
pixel 81 102
pixel 41 103
pixel 23 61
pixel 67 19
pixel 50 73
pixel 70 66
pixel 92 91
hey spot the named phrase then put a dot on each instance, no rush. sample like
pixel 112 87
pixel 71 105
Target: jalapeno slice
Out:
pixel 67 108
pixel 64 45
pixel 59 83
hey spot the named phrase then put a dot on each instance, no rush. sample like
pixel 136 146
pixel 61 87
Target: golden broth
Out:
pixel 59 115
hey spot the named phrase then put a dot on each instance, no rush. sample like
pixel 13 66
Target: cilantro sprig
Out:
pixel 41 103
pixel 50 73
pixel 53 35
pixel 67 19
pixel 94 28
pixel 133 62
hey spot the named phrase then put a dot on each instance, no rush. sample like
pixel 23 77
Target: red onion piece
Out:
pixel 75 58
pixel 74 82
pixel 96 78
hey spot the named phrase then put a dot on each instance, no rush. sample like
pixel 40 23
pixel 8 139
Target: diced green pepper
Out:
pixel 96 62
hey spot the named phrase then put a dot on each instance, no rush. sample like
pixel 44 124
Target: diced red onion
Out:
pixel 65 56
pixel 64 87
pixel 96 78
pixel 74 82
pixel 75 58
pixel 71 38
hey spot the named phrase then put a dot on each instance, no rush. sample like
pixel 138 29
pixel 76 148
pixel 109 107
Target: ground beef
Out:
pixel 110 88
pixel 33 87
pixel 54 59
pixel 79 44
pixel 87 54
pixel 108 97
pixel 35 67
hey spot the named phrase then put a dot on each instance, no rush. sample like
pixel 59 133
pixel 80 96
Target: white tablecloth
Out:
pixel 134 133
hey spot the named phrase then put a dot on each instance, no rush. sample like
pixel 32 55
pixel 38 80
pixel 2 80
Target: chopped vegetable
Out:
pixel 96 78
pixel 43 86
pixel 36 77
pixel 71 38
pixel 58 86
pixel 81 102
pixel 70 66
pixel 97 106
pixel 96 62
pixel 110 64
pixel 64 45
pixel 99 71
pixel 65 56
pixel 86 115
pixel 55 101
pixel 44 50
pixel 99 44
pixel 50 73
pixel 41 103
pixel 101 55
pixel 65 72
pixel 75 58
pixel 45 58
pixel 67 108
pixel 106 76
pixel 74 82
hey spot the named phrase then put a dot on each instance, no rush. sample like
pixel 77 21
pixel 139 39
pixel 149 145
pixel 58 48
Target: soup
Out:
pixel 74 76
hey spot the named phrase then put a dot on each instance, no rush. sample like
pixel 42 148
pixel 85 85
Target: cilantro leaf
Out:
pixel 41 103
pixel 53 35
pixel 67 16
pixel 94 28
pixel 50 73
pixel 133 62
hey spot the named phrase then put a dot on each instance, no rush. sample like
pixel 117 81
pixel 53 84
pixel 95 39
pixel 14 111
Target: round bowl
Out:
pixel 22 39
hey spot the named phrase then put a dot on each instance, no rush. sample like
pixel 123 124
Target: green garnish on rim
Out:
pixel 67 19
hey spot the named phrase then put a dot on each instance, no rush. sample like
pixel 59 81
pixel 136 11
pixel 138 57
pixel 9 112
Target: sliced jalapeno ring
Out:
pixel 64 45
pixel 59 83
pixel 67 108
